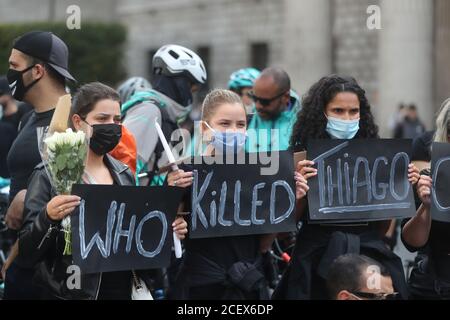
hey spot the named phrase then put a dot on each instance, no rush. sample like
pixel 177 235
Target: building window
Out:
pixel 259 55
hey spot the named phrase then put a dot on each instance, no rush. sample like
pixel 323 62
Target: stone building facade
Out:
pixel 405 61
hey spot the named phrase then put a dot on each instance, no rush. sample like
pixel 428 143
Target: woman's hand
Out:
pixel 301 186
pixel 179 178
pixel 305 168
pixel 61 206
pixel 413 174
pixel 424 189
pixel 180 227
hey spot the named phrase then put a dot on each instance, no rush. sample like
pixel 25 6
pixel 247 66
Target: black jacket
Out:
pixel 316 248
pixel 41 240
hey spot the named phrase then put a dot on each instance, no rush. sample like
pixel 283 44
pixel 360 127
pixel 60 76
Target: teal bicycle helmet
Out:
pixel 243 78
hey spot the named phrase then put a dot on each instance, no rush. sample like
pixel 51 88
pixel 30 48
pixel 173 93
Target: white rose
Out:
pixel 80 137
pixel 50 142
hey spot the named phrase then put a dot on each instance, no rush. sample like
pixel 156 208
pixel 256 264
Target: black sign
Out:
pixel 440 192
pixel 123 227
pixel 360 180
pixel 242 199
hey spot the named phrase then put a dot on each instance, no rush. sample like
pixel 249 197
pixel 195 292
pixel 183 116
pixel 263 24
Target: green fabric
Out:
pixel 135 99
pixel 158 180
pixel 140 97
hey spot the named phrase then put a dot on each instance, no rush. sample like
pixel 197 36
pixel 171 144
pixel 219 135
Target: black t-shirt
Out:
pixel 24 154
pixel 7 133
pixel 225 251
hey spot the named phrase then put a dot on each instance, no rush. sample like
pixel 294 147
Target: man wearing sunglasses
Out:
pixel 358 277
pixel 276 108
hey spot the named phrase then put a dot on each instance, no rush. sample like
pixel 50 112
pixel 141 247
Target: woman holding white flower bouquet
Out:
pixel 43 244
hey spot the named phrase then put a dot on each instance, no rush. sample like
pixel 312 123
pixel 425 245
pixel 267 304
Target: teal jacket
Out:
pixel 140 122
pixel 261 138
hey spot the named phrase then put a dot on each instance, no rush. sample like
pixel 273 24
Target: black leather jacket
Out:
pixel 41 240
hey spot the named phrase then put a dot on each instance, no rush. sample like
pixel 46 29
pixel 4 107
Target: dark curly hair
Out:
pixel 311 121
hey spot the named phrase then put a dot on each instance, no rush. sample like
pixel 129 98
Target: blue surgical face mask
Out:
pixel 227 142
pixel 342 129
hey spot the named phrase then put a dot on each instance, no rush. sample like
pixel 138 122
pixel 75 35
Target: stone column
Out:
pixel 442 52
pixel 405 60
pixel 307 41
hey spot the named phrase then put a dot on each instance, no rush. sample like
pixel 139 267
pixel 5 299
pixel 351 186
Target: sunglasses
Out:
pixel 376 296
pixel 263 101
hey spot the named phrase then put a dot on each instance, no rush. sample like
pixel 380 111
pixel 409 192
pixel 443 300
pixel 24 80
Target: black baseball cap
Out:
pixel 47 47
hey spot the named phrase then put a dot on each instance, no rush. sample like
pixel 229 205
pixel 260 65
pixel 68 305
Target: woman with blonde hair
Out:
pixel 212 266
pixel 430 277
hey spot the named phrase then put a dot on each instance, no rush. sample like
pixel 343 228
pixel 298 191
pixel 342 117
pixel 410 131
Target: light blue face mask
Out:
pixel 342 129
pixel 227 142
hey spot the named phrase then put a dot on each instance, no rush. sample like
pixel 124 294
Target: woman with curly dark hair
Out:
pixel 334 108
pixel 312 119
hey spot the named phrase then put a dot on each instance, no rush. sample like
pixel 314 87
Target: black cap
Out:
pixel 47 47
pixel 4 86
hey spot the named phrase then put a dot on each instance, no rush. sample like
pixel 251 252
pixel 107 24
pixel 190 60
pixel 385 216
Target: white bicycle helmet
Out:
pixel 173 60
pixel 131 86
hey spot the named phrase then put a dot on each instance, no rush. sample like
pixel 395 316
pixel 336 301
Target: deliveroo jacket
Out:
pixel 265 140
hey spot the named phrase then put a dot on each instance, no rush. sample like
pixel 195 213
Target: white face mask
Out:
pixel 1 111
pixel 342 129
pixel 227 142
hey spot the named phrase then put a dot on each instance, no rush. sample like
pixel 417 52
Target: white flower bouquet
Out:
pixel 64 155
pixel 66 158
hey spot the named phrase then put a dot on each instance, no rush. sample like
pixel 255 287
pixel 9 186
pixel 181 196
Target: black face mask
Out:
pixel 15 80
pixel 176 88
pixel 105 137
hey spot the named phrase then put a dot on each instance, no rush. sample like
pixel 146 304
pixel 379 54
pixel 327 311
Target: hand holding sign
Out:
pixel 424 189
pixel 180 227
pixel 357 183
pixel 236 199
pixel 301 186
pixel 61 206
pixel 305 168
pixel 413 174
pixel 125 227
pixel 180 178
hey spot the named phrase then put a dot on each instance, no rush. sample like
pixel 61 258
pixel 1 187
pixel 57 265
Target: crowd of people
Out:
pixel 327 261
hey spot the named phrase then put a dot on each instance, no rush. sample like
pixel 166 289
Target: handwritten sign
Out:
pixel 123 227
pixel 360 180
pixel 440 192
pixel 236 199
